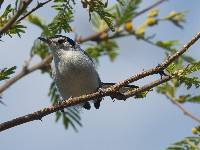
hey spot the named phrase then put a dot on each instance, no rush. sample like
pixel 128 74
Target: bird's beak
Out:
pixel 44 40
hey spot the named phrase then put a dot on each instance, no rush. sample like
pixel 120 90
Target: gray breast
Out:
pixel 75 74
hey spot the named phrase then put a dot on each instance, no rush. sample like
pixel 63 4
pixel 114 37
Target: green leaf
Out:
pixel 61 23
pixel 176 18
pixel 99 25
pixel 142 94
pixel 189 81
pixel 176 65
pixel 166 89
pixel 63 18
pixel 16 28
pixel 65 121
pixel 99 7
pixel 126 11
pixel 37 21
pixel 40 49
pixel 193 67
pixel 167 44
pixel 6 72
pixel 194 99
pixel 188 143
pixel 58 115
pixel 108 47
pixel 70 116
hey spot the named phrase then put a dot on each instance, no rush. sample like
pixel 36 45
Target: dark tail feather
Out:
pixel 97 103
pixel 87 105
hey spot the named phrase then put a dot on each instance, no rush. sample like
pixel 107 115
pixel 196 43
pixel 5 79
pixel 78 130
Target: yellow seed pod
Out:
pixel 140 31
pixel 194 130
pixel 153 13
pixel 128 26
pixel 172 14
pixel 151 21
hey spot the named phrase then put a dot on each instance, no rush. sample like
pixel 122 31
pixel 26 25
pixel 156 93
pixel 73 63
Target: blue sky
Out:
pixel 152 123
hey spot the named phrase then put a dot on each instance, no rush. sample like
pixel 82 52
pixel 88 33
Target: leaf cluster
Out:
pixel 125 10
pixel 107 47
pixel 6 72
pixel 70 116
pixel 97 6
pixel 17 28
pixel 181 76
pixel 188 143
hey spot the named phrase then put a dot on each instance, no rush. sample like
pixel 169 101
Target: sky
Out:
pixel 149 123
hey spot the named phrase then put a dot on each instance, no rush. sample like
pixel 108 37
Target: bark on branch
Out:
pixel 111 91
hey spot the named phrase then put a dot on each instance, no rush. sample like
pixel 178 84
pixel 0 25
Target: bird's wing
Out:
pixel 53 69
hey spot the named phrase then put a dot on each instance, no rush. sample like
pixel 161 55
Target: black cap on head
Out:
pixel 71 42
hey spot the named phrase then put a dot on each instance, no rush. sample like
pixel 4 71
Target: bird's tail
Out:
pixel 107 85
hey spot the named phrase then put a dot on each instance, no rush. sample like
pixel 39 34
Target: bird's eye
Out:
pixel 61 41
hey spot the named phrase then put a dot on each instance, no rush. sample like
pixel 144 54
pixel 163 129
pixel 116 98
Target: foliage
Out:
pixel 125 11
pixel 17 28
pixel 120 17
pixel 181 73
pixel 176 18
pixel 98 7
pixel 188 143
pixel 142 94
pixel 107 47
pixel 63 18
pixel 70 116
pixel 6 72
pixel 181 76
pixel 169 46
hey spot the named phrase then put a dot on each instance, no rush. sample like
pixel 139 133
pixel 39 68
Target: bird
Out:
pixel 74 71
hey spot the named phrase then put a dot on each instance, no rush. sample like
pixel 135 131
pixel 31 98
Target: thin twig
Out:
pixel 147 87
pixel 25 71
pixel 185 112
pixel 107 92
pixel 8 25
pixel 96 36
pixel 150 7
pixel 39 5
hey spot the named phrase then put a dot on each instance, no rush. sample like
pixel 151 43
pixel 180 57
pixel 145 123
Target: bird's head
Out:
pixel 58 42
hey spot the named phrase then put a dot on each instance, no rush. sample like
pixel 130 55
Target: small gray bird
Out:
pixel 73 70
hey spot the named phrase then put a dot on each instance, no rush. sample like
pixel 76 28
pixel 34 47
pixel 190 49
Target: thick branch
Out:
pixel 38 115
pixel 147 87
pixel 8 25
pixel 160 67
pixel 113 90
